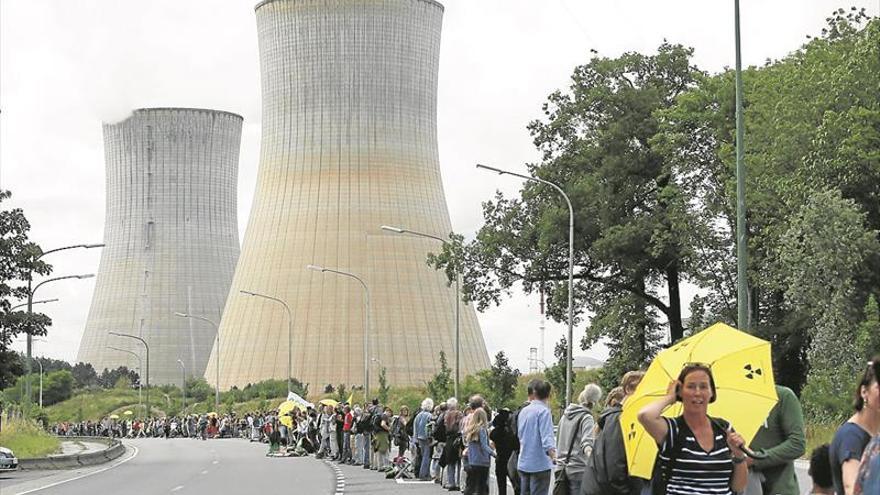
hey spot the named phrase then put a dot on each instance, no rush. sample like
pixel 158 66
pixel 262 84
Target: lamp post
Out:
pixel 140 367
pixel 399 230
pixel 216 354
pixel 147 348
pixel 30 308
pixel 568 357
pixel 183 384
pixel 742 260
pixel 30 304
pixel 366 321
pixel 289 332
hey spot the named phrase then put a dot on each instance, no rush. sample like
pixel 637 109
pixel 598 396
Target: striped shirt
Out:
pixel 695 471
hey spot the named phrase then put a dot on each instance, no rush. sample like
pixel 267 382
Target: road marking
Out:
pixel 340 478
pixel 176 488
pixel 205 471
pixel 215 462
pixel 51 485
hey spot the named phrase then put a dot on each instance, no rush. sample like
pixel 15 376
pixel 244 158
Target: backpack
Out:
pixel 439 431
pixel 376 422
pixel 365 425
pixel 395 427
pixel 606 472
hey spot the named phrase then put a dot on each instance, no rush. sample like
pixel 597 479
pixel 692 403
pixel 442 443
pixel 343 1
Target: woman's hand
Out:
pixel 735 441
pixel 671 390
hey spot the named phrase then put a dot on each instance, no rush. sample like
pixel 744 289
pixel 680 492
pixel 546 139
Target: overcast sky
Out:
pixel 68 65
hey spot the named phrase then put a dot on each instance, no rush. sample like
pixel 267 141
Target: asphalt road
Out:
pixel 182 466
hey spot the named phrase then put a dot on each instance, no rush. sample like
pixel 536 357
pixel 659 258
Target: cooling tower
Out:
pixel 171 239
pixel 349 143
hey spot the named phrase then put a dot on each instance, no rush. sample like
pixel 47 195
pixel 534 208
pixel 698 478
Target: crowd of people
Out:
pixel 453 444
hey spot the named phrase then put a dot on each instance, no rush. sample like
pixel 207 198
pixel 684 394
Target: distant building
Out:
pixel 171 239
pixel 584 363
pixel 349 143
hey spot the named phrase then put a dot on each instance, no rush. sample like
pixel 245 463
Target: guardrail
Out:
pixel 67 461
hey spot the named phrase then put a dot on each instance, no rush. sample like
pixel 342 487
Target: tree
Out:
pixel 868 340
pixel 634 224
pixel 341 393
pixel 11 367
pixel 109 378
pixel 383 386
pixel 499 381
pixel 440 387
pixel 198 389
pixel 556 374
pixel 18 265
pixel 84 375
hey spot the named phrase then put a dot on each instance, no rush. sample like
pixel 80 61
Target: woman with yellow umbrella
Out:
pixel 698 454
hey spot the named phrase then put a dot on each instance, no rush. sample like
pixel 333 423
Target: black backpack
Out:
pixel 606 472
pixel 365 425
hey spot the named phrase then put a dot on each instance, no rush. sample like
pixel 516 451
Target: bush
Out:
pixel 827 398
pixel 27 439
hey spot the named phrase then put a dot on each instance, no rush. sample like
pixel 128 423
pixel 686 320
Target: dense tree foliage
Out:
pixel 644 147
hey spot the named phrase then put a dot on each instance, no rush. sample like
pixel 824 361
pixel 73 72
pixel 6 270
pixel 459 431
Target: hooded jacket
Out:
pixel 575 461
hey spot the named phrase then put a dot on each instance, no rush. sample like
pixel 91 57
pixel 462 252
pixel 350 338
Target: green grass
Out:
pixel 817 435
pixel 26 439
pixel 93 405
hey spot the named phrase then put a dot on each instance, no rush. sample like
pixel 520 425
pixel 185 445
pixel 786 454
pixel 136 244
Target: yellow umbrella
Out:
pixel 290 405
pixel 743 373
pixel 128 413
pixel 212 415
pixel 114 416
pixel 328 402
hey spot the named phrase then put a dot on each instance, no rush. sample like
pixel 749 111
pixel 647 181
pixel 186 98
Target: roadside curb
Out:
pixel 114 450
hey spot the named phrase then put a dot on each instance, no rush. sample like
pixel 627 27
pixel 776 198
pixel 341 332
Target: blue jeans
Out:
pixel 425 449
pixel 368 449
pixel 453 474
pixel 534 483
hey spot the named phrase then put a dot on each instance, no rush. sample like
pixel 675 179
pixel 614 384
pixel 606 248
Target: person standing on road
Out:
pixel 479 454
pixel 537 452
pixel 348 419
pixel 851 438
pixel 505 443
pixel 420 432
pixel 576 433
pixel 782 440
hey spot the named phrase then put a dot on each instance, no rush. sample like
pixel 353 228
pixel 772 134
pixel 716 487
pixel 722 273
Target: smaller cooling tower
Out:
pixel 171 239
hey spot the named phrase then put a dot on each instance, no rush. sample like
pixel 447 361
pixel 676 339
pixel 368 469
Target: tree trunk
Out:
pixel 676 330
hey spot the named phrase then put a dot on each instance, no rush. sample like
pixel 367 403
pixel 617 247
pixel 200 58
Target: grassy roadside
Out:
pixel 27 439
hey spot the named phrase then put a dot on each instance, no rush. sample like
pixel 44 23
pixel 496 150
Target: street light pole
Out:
pixel 742 260
pixel 216 354
pixel 140 367
pixel 399 230
pixel 183 389
pixel 30 304
pixel 570 344
pixel 289 333
pixel 147 347
pixel 366 322
pixel 30 309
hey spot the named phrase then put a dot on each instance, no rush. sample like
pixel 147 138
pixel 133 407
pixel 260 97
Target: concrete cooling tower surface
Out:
pixel 349 143
pixel 171 239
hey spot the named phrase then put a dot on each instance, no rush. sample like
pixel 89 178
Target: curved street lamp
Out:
pixel 183 389
pixel 147 347
pixel 216 355
pixel 289 332
pixel 400 230
pixel 30 307
pixel 568 347
pixel 366 321
pixel 140 367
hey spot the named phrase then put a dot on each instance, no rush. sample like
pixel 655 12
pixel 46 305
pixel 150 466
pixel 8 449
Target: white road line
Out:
pixel 84 475
pixel 205 471
pixel 176 488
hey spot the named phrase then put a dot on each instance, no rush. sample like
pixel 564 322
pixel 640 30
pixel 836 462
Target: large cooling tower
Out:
pixel 171 239
pixel 349 143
